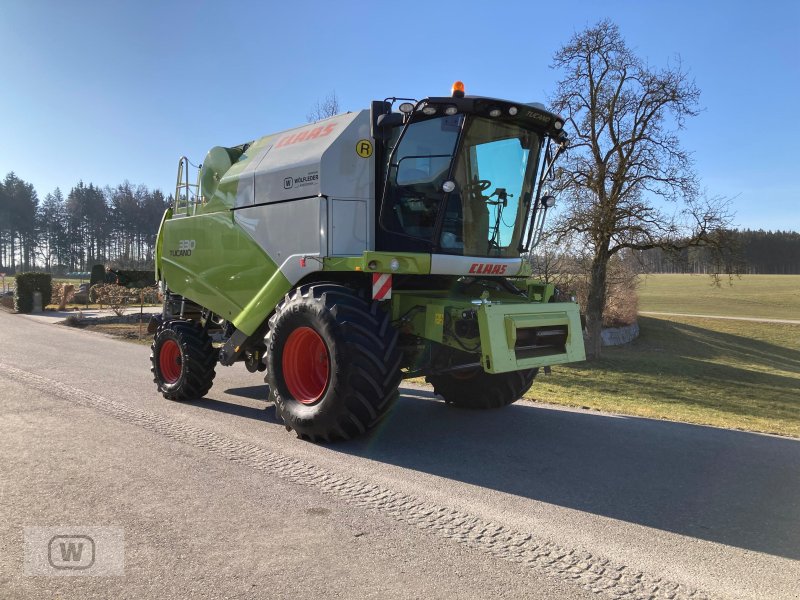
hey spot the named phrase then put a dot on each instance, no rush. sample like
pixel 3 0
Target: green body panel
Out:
pixel 424 313
pixel 498 324
pixel 159 242
pixel 540 292
pixel 210 260
pixel 525 270
pixel 204 255
pixel 411 263
pixel 263 303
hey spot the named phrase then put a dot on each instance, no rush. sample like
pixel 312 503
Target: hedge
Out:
pixel 27 284
pixel 98 275
pixel 137 279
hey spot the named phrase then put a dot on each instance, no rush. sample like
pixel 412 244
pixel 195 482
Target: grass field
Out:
pixel 737 374
pixel 765 296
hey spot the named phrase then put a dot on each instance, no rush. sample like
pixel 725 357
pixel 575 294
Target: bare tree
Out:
pixel 328 107
pixel 626 180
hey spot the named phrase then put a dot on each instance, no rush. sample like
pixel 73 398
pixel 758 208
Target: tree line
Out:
pixel 118 225
pixel 754 252
pixel 90 225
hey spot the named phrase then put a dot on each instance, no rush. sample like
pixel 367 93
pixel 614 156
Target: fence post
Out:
pixel 141 311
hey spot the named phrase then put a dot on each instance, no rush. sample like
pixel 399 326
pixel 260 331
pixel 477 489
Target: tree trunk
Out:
pixel 596 301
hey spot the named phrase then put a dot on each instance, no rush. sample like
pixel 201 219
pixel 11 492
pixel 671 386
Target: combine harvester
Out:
pixel 345 255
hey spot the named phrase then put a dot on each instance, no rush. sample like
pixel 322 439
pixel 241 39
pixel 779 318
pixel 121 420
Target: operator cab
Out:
pixel 458 175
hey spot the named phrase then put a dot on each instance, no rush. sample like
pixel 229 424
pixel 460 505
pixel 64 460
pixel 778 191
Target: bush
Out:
pixel 116 297
pixel 27 284
pixel 137 279
pixel 98 275
pixel 149 295
pixel 94 292
pixel 63 294
pixel 571 278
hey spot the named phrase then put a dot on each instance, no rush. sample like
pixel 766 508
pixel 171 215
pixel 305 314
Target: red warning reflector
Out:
pixel 381 286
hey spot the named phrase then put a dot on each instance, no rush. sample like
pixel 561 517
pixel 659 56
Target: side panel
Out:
pixel 347 166
pixel 267 298
pixel 347 172
pixel 244 170
pixel 291 167
pixel 210 260
pixel 287 232
pixel 348 227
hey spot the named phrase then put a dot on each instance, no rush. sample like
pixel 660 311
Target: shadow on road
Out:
pixel 254 392
pixel 258 413
pixel 730 487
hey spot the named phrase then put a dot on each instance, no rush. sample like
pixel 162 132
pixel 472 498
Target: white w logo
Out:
pixel 69 553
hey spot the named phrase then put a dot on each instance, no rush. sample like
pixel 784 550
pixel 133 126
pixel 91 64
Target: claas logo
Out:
pixel 487 269
pixel 304 136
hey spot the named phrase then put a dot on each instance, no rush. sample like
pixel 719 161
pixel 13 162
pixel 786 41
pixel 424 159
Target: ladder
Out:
pixel 187 195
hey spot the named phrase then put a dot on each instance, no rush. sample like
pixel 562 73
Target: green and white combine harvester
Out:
pixel 345 255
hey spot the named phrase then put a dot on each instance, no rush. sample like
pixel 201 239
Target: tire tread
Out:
pixel 367 387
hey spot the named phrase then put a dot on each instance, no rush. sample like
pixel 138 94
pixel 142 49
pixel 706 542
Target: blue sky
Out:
pixel 107 91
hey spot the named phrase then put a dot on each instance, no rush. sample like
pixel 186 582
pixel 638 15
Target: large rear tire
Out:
pixel 333 365
pixel 182 360
pixel 481 390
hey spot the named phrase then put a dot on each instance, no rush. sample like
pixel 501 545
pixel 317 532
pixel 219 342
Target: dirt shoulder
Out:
pixel 132 328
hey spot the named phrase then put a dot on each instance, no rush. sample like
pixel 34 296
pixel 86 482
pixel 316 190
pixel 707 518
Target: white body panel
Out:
pixel 307 193
pixel 447 264
pixel 294 234
pixel 348 229
pixel 319 158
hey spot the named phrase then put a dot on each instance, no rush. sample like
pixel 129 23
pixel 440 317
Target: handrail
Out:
pixel 186 194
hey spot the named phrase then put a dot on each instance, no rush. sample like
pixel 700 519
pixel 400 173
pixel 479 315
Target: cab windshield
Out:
pixel 468 197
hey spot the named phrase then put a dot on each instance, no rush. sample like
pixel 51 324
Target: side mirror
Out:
pixel 382 125
pixel 390 120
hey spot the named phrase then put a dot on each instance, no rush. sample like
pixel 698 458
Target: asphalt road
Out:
pixel 217 500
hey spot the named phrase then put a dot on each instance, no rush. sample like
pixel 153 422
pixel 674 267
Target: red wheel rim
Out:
pixel 169 361
pixel 306 365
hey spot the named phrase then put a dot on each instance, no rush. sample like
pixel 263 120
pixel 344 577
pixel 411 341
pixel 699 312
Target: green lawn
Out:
pixel 765 296
pixel 735 374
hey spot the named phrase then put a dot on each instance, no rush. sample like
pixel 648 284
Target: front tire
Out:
pixel 333 366
pixel 478 389
pixel 182 360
